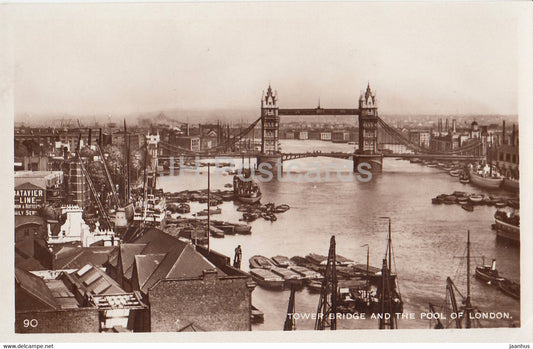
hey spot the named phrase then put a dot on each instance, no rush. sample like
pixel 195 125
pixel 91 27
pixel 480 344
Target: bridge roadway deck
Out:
pixel 338 155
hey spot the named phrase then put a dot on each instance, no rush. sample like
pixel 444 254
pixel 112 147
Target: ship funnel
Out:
pixel 493 266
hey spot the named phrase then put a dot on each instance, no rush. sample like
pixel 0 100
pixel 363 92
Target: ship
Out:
pixel 245 189
pixel 489 273
pixel 485 177
pixel 507 225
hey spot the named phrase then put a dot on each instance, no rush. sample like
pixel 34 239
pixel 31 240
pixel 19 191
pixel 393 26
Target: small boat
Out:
pixel 489 273
pixel 227 195
pixel 316 259
pixel 450 199
pixel 500 204
pixel 245 188
pixel 215 232
pixel 306 273
pixel 455 173
pixel 510 288
pixel 228 185
pixel 282 208
pixel 260 262
pixel 250 216
pixel 269 217
pixel 436 200
pixel 244 208
pixel 281 261
pixel 242 229
pixel 475 198
pixel 213 210
pixel 267 278
pixel 288 275
pixel 183 208
pixel 227 228
pixel 467 207
pixel 462 201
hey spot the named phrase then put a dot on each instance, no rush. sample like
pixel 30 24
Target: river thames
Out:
pixel 428 240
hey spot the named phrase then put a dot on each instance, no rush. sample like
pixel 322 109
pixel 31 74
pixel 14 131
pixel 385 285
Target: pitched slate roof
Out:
pixel 70 257
pixel 146 264
pixel 127 257
pixel 165 257
pixel 92 280
pixel 36 288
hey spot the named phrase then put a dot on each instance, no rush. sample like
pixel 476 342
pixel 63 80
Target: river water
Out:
pixel 428 240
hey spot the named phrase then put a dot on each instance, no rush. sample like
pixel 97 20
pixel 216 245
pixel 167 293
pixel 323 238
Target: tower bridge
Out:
pixel 373 132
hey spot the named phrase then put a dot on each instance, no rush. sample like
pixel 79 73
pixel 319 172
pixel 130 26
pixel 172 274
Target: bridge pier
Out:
pixel 375 163
pixel 271 163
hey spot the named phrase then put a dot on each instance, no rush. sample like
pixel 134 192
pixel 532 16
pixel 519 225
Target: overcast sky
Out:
pixel 421 58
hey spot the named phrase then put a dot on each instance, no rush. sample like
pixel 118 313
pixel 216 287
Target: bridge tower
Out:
pixel 270 152
pixel 368 151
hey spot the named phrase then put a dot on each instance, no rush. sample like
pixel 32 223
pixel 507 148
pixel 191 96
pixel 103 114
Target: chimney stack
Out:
pixel 454 129
pixel 513 136
pixel 447 125
pixel 503 132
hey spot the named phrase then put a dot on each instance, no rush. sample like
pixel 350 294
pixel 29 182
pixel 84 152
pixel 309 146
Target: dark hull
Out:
pixel 486 276
pixel 507 231
pixel 249 200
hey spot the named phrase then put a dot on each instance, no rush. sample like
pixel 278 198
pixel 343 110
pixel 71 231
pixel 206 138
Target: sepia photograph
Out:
pixel 266 166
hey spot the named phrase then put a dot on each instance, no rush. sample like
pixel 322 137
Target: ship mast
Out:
pixel 367 272
pixel 208 203
pixel 468 305
pixel 388 317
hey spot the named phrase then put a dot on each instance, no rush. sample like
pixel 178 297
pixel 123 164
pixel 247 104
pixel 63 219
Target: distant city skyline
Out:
pixel 131 59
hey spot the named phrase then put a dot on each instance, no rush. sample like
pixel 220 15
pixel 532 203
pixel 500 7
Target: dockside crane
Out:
pixel 101 209
pixel 108 176
pixel 106 169
pixel 326 314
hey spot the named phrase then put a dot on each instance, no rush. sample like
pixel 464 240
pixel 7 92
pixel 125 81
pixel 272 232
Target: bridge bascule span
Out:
pixel 374 136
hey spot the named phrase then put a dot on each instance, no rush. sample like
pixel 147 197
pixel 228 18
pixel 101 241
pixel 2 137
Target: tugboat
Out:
pixel 245 189
pixel 489 273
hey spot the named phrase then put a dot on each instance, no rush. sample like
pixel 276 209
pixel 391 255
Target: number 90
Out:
pixel 31 323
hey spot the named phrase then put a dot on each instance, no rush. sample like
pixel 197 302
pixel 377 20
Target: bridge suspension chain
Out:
pixel 227 144
pixel 417 148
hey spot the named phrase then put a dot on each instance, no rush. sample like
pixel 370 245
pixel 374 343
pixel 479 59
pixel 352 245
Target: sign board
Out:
pixel 28 199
